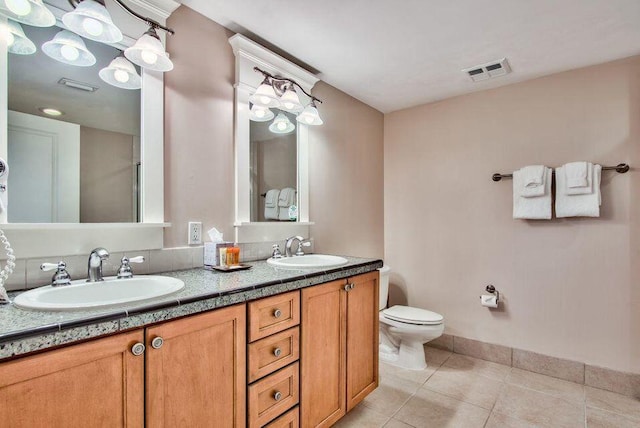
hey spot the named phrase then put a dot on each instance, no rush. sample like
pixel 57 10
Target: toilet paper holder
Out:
pixel 492 290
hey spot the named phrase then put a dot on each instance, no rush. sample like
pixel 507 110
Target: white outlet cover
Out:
pixel 195 233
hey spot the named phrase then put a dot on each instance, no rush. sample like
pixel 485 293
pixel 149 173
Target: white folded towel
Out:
pixel 287 198
pixel 576 174
pixel 271 209
pixel 578 205
pixel 535 207
pixel 271 198
pixel 533 180
pixel 581 190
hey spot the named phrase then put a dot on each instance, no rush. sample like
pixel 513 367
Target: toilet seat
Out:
pixel 409 315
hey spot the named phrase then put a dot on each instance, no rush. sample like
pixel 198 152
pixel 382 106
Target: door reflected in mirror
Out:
pixel 273 169
pixel 82 165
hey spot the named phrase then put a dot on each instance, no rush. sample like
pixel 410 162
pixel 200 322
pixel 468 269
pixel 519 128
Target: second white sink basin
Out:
pixel 308 261
pixel 89 295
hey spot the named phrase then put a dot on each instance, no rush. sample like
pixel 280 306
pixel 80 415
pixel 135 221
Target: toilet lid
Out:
pixel 412 315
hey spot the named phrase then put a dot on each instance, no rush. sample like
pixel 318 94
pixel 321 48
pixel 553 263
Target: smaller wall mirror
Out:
pixel 257 171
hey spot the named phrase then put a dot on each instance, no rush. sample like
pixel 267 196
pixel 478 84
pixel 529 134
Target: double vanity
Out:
pixel 276 346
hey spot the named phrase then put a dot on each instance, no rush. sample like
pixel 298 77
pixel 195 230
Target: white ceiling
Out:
pixel 397 54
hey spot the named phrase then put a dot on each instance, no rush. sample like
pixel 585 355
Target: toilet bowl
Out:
pixel 404 330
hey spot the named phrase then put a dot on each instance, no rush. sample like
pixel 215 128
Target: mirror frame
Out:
pixel 52 239
pixel 249 55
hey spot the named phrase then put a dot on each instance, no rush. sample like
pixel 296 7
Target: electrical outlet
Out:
pixel 195 232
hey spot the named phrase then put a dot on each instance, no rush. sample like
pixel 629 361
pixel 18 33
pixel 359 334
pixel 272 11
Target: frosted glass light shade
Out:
pixel 289 101
pixel 69 48
pixel 149 53
pixel 92 21
pixel 265 96
pixel 281 125
pixel 121 74
pixel 21 45
pixel 260 114
pixel 30 12
pixel 310 115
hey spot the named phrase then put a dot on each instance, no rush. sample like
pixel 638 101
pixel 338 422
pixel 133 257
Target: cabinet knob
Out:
pixel 277 313
pixel 138 349
pixel 277 352
pixel 349 287
pixel 277 395
pixel 157 342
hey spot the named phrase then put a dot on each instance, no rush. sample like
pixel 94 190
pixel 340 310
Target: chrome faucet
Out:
pixel 96 258
pixel 301 243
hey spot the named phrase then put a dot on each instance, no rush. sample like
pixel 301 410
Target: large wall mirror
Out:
pixel 73 140
pixel 103 180
pixel 268 161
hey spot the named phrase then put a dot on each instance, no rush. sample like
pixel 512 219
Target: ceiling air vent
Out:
pixel 78 85
pixel 487 71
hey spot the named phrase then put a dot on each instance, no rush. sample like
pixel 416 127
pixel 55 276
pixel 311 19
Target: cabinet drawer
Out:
pixel 291 419
pixel 273 314
pixel 274 352
pixel 273 395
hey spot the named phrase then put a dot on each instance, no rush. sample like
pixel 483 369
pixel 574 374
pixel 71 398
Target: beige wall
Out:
pixel 571 287
pixel 346 176
pixel 198 174
pixel 346 152
pixel 106 176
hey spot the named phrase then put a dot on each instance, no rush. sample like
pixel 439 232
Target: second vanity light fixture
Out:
pixel 91 20
pixel 280 92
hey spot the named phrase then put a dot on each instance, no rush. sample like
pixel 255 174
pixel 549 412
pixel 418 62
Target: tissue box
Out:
pixel 212 252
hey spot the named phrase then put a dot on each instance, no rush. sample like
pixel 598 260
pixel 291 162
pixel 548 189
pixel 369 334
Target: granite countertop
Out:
pixel 24 331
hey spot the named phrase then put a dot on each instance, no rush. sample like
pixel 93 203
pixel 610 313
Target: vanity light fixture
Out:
pixel 122 74
pixel 310 115
pixel 148 52
pixel 91 20
pixel 265 96
pixel 30 12
pixel 280 92
pixel 69 48
pixel 281 125
pixel 17 42
pixel 260 114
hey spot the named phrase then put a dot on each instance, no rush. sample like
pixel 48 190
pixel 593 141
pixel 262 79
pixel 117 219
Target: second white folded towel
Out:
pixel 584 204
pixel 286 199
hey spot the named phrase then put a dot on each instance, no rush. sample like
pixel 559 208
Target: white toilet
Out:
pixel 404 330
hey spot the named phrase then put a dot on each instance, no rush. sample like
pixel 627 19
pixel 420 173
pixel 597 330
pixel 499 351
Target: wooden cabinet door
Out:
pixel 98 383
pixel 362 337
pixel 322 354
pixel 197 377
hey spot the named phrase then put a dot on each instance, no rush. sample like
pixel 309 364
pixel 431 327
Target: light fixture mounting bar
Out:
pixel 284 79
pixel 152 23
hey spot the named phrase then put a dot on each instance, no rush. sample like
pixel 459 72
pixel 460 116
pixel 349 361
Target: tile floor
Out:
pixel 460 391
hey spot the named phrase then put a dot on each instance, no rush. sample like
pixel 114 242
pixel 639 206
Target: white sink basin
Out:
pixel 308 261
pixel 88 295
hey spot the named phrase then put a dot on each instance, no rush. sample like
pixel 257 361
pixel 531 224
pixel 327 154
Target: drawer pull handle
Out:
pixel 157 342
pixel 138 349
pixel 277 352
pixel 277 395
pixel 277 313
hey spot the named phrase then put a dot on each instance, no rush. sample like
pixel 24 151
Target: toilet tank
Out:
pixel 384 286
